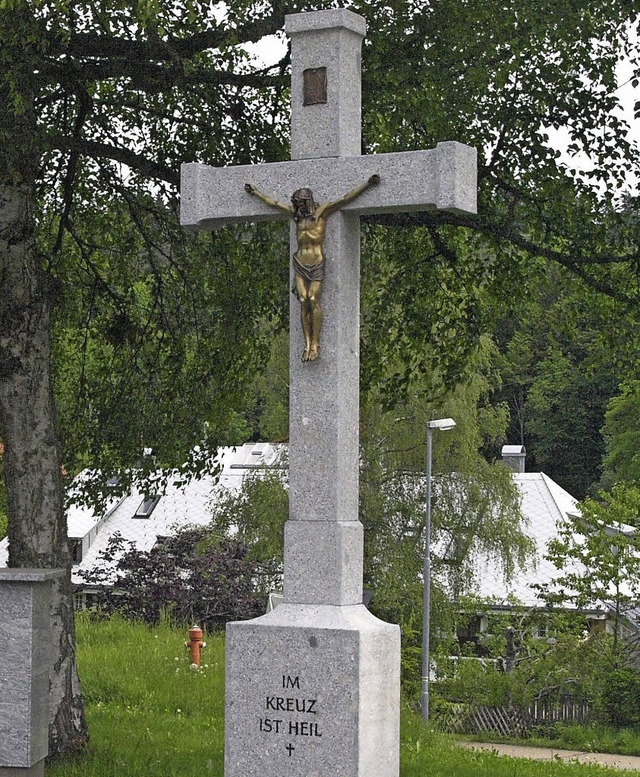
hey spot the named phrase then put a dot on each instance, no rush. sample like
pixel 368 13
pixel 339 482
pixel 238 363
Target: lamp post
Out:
pixel 443 424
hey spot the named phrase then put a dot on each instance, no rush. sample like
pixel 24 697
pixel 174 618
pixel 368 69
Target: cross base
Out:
pixel 312 691
pixel 37 770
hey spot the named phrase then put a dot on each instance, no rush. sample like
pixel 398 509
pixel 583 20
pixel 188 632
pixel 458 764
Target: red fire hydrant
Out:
pixel 195 644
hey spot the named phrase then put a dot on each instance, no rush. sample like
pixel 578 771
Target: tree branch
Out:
pixel 138 162
pixel 152 77
pixel 97 46
pixel 575 263
pixel 502 230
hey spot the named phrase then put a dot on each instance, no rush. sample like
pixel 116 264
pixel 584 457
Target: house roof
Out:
pixel 544 504
pixel 178 506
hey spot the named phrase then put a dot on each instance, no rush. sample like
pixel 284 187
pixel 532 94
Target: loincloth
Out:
pixel 308 272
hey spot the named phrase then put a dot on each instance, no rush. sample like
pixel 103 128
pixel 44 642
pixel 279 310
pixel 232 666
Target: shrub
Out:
pixel 474 681
pixel 193 576
pixel 618 703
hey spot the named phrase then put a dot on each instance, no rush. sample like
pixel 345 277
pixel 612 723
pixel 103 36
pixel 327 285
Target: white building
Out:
pixel 141 520
pixel 544 506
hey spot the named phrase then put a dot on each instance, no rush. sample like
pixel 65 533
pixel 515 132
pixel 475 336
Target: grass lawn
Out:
pixel 149 714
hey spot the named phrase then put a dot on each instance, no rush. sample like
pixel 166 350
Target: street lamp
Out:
pixel 443 424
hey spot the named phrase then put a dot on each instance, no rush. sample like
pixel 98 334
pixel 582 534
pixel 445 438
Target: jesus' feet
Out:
pixel 311 353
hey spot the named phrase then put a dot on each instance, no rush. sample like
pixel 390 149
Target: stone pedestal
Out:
pixel 312 691
pixel 37 770
pixel 25 660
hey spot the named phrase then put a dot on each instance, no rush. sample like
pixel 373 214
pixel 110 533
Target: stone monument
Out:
pixel 312 688
pixel 25 661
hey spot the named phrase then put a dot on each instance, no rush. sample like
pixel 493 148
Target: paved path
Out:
pixel 549 754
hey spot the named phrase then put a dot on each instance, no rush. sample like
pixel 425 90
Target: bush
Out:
pixel 193 576
pixel 474 681
pixel 618 703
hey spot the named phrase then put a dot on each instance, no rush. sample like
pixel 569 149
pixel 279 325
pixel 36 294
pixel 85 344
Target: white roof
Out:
pixel 513 450
pixel 81 519
pixel 178 506
pixel 544 505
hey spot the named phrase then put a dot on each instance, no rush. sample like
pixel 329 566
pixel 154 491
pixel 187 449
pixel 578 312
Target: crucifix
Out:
pixel 308 261
pixel 343 659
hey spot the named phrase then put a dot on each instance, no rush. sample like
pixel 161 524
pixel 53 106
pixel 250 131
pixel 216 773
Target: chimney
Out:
pixel 514 456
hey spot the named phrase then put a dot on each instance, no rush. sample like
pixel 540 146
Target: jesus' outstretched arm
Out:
pixel 251 189
pixel 327 208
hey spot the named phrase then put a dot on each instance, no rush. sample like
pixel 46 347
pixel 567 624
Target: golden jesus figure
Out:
pixel 308 260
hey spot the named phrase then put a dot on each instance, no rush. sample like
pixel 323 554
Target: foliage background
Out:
pixel 144 320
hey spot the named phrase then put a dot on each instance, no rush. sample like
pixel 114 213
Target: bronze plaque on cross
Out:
pixel 314 87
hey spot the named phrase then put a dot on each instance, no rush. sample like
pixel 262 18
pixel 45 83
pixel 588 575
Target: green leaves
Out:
pixel 621 433
pixel 125 91
pixel 598 554
pixel 564 353
pixel 475 507
pixel 256 514
pixel 158 338
pixel 503 78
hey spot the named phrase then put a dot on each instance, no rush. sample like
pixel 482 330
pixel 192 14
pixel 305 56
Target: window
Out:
pixel 83 600
pixel 76 551
pixel 147 506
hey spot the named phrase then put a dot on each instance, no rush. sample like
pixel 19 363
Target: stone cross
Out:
pixel 323 537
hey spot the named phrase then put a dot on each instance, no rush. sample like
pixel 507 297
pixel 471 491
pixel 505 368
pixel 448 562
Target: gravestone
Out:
pixel 25 662
pixel 312 688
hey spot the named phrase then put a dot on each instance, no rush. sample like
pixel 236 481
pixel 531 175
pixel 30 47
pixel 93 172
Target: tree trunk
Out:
pixel 35 491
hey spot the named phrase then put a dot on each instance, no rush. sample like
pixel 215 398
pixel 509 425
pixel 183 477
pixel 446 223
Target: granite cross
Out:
pixel 325 144
pixel 323 536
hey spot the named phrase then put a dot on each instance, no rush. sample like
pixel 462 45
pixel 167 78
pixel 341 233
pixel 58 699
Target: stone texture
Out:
pixel 15 730
pixel 25 651
pixel 25 575
pixel 443 177
pixel 323 562
pixel 39 716
pixel 41 648
pixel 312 692
pixel 323 435
pixel 324 395
pixel 316 21
pixel 37 770
pixel 330 39
pixel 456 177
